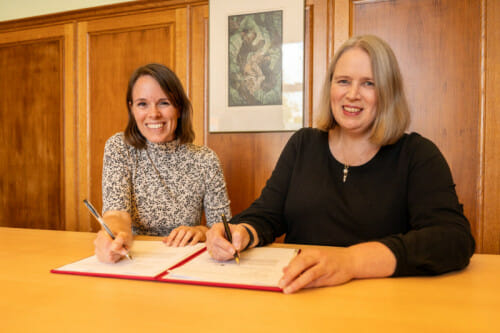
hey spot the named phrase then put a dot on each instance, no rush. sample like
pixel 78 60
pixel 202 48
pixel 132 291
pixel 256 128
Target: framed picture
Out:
pixel 256 65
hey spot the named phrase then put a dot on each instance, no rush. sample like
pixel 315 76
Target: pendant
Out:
pixel 346 170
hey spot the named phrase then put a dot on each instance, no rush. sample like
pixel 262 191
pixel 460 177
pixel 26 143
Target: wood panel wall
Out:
pixel 33 96
pixel 488 227
pixel 448 51
pixel 438 44
pixel 249 158
pixel 445 49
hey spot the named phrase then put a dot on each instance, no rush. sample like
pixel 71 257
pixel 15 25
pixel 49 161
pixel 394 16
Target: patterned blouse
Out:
pixel 190 178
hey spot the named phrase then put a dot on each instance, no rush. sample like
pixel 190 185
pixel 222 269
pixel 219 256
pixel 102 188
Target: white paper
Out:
pixel 261 266
pixel 149 258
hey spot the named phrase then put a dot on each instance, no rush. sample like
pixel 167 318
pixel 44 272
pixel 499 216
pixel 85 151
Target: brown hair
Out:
pixel 393 116
pixel 172 87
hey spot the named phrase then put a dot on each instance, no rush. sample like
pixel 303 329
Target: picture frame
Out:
pixel 256 65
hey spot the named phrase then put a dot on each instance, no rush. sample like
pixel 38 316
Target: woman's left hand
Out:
pixel 184 235
pixel 316 268
pixel 330 266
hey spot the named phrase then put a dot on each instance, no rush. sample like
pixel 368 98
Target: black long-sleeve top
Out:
pixel 404 197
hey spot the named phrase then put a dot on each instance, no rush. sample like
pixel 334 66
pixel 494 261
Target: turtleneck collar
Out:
pixel 163 146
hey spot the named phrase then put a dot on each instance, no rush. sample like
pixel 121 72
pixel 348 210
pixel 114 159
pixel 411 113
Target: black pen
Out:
pixel 101 221
pixel 230 238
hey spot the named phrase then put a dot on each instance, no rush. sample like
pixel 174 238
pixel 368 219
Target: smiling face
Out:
pixel 353 96
pixel 155 116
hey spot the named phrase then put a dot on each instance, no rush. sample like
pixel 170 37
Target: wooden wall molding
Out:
pixel 98 12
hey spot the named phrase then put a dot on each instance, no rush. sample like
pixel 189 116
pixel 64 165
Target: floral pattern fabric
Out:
pixel 190 180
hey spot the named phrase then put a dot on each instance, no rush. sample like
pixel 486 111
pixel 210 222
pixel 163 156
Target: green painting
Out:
pixel 255 59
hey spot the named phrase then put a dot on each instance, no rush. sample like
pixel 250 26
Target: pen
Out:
pixel 229 237
pixel 101 221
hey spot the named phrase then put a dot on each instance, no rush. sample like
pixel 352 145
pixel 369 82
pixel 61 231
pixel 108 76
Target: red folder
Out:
pixel 165 275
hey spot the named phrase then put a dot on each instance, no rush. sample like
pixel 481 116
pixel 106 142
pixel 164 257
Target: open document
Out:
pixel 259 268
pixel 150 259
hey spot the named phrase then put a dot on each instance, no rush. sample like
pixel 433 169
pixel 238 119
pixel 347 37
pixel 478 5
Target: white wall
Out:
pixel 14 9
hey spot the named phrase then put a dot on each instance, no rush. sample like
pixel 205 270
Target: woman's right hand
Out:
pixel 109 250
pixel 219 247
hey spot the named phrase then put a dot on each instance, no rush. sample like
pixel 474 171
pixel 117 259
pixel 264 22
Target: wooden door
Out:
pixel 37 168
pixel 109 51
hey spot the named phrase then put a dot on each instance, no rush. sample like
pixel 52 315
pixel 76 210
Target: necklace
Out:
pixel 365 152
pixel 345 172
pixel 346 165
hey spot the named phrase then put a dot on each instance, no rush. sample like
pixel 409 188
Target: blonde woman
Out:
pixel 382 200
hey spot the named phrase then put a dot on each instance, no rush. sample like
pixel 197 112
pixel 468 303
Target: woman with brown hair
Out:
pixel 155 180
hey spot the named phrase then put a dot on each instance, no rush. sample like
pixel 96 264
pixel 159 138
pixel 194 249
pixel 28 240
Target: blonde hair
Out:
pixel 393 115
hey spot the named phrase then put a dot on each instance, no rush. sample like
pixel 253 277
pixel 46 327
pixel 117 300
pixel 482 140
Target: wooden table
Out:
pixel 34 300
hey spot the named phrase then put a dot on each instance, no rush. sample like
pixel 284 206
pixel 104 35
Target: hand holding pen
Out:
pixel 230 238
pixel 105 250
pixel 226 241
